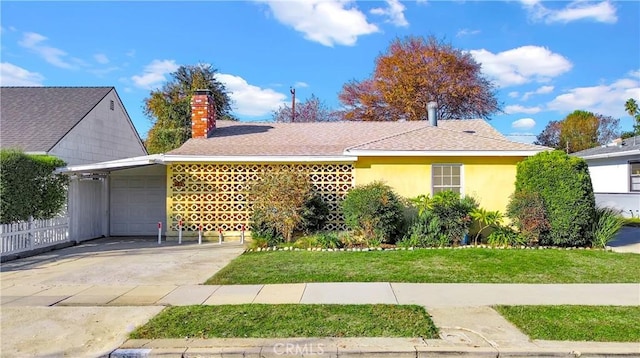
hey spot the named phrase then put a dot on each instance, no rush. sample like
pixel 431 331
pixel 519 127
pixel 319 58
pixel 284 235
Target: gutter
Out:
pixel 611 155
pixel 442 153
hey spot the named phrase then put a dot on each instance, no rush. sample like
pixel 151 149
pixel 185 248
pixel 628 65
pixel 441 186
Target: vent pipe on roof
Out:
pixel 432 113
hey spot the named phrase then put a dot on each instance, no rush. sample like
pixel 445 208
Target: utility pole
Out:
pixel 293 104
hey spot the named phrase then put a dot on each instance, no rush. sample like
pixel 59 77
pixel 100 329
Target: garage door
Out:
pixel 137 201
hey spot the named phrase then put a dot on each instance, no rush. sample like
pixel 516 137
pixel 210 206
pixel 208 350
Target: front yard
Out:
pixel 473 265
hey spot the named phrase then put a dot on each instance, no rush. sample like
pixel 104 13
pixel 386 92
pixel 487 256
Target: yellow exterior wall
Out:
pixel 488 179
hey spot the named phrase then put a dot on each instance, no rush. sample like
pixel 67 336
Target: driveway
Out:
pixel 627 240
pixel 109 268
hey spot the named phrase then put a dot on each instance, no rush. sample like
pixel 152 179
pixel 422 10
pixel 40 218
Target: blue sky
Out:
pixel 547 58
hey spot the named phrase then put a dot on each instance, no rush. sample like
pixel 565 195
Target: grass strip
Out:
pixel 576 323
pixel 432 266
pixel 289 320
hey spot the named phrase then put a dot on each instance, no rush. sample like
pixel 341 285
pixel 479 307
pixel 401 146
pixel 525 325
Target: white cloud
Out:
pixel 634 73
pixel 101 58
pixel 250 100
pixel 524 123
pixel 516 108
pixel 602 11
pixel 394 11
pixel 154 74
pixel 514 94
pixel 541 90
pixel 300 84
pixel 328 22
pixel 466 32
pixel 33 41
pixel 522 65
pixel 12 75
pixel 607 99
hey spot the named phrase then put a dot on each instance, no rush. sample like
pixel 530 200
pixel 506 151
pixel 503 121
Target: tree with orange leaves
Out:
pixel 413 72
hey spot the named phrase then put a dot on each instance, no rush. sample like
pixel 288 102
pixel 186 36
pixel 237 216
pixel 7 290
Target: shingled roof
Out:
pixel 629 146
pixel 34 119
pixel 345 137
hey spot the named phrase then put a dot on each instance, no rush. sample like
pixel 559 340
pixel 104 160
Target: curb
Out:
pixel 360 347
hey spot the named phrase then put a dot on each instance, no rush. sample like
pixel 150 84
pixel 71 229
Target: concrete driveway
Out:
pixel 107 268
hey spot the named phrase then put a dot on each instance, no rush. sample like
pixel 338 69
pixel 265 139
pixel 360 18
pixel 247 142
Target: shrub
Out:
pixel 527 211
pixel 314 214
pixel 564 184
pixel 606 225
pixel 373 211
pixel 505 236
pixel 279 200
pixel 29 187
pixel 444 220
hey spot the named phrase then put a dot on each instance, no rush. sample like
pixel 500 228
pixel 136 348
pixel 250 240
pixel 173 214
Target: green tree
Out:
pixel 29 187
pixel 169 108
pixel 413 72
pixel 579 130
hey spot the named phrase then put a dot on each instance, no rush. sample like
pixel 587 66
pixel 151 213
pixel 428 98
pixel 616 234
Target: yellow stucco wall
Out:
pixel 488 179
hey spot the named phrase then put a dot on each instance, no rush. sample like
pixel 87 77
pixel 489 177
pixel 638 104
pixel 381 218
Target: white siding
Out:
pixel 610 175
pixel 138 201
pixel 103 135
pixel 87 209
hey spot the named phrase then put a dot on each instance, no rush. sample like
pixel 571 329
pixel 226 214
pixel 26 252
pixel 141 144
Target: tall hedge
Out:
pixel 564 184
pixel 29 186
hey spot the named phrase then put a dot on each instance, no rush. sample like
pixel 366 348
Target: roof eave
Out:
pixel 611 155
pixel 442 153
pixel 113 164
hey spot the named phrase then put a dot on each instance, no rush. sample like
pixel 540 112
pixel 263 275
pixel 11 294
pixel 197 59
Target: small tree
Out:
pixel 279 200
pixel 29 187
pixel 373 211
pixel 564 184
pixel 311 110
pixel 526 209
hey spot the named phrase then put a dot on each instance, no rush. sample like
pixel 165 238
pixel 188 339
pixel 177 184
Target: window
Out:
pixel 111 105
pixel 635 176
pixel 446 177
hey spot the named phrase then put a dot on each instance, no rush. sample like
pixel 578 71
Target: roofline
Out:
pixel 442 153
pixel 113 164
pixel 610 155
pixel 175 158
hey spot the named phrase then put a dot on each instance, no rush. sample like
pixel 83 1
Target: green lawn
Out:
pixel 454 266
pixel 576 323
pixel 283 321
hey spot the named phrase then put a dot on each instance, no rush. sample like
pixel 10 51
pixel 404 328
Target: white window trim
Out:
pixel 631 175
pixel 462 177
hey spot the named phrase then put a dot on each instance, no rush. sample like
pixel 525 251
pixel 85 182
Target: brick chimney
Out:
pixel 203 114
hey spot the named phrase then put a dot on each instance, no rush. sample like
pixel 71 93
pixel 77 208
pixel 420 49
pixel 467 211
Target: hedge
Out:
pixel 29 187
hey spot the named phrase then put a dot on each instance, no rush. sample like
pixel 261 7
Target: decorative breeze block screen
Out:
pixel 215 195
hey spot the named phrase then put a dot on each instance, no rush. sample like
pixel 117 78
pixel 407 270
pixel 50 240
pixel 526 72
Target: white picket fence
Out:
pixel 29 235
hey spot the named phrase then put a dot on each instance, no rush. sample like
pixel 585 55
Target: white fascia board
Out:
pixel 612 155
pixel 259 159
pixel 114 164
pixel 443 153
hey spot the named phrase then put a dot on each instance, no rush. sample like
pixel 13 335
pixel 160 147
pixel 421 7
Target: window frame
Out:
pixel 442 165
pixel 631 176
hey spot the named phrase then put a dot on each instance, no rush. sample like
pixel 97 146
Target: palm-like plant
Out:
pixel 485 219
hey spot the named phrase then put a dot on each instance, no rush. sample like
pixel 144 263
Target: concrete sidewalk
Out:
pixel 428 295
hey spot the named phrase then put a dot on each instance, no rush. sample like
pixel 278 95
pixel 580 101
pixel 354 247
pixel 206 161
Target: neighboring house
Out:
pixel 79 125
pixel 207 177
pixel 615 174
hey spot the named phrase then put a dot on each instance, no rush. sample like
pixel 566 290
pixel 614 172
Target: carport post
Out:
pixel 200 234
pixel 242 234
pixel 159 232
pixel 219 236
pixel 180 231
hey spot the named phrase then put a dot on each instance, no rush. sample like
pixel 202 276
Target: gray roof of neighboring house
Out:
pixel 631 145
pixel 334 138
pixel 34 119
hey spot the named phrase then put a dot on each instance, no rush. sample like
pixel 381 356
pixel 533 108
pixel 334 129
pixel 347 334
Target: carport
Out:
pixel 124 197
